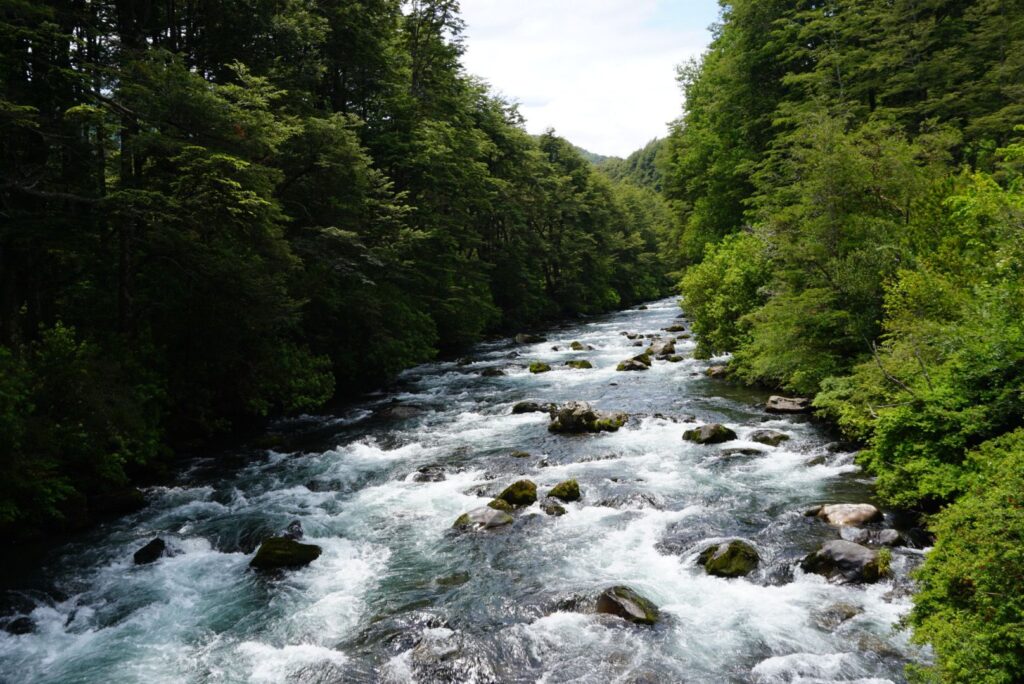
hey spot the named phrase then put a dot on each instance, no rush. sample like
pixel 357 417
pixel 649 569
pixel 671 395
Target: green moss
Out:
pixel 566 491
pixel 577 346
pixel 581 364
pixel 733 559
pixel 521 493
pixel 539 367
pixel 501 505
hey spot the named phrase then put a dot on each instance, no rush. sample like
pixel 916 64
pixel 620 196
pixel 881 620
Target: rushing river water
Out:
pixel 397 596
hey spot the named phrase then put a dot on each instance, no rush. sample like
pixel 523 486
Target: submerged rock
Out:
pixel 492 373
pixel 520 493
pixel 729 559
pixel 533 407
pixel 520 454
pixel 552 507
pixel 150 552
pixel 844 561
pixel 294 530
pixel 483 518
pixel 430 473
pixel 539 367
pixel 778 404
pixel 741 451
pixel 526 338
pixel 566 491
pixel 579 417
pixel 712 433
pixel 677 328
pixel 849 514
pixel 280 552
pixel 835 615
pixel 625 603
pixel 769 437
pixel 580 364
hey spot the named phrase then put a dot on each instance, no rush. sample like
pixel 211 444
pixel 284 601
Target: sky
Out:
pixel 600 72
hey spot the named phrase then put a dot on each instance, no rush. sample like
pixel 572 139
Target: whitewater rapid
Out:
pixel 397 596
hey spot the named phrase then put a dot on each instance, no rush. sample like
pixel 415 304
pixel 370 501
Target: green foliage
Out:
pixel 970 599
pixel 238 214
pixel 722 289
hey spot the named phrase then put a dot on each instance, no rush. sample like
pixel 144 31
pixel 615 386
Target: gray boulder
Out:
pixel 483 518
pixel 778 404
pixel 769 437
pixel 844 561
pixel 729 559
pixel 580 417
pixel 625 603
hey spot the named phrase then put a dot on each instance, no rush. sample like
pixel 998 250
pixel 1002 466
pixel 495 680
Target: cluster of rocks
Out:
pixel 575 417
pixel 517 496
pixel 661 349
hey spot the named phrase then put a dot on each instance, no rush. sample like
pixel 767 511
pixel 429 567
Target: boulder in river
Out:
pixel 520 493
pixel 566 491
pixel 150 552
pixel 20 625
pixel 844 561
pixel 631 365
pixel 579 364
pixel 778 404
pixel 483 518
pixel 492 373
pixel 579 417
pixel 834 615
pixel 729 559
pixel 769 437
pixel 539 367
pixel 533 407
pixel 520 454
pixel 712 433
pixel 677 328
pixel 280 552
pixel 662 348
pixel 501 505
pixel 526 338
pixel 429 473
pixel 625 603
pixel 577 346
pixel 848 514
pixel 717 372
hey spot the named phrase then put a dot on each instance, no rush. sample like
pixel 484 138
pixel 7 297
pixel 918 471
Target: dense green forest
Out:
pixel 215 212
pixel 850 180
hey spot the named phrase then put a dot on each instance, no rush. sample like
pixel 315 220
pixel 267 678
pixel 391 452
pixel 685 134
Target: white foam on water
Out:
pixel 270 665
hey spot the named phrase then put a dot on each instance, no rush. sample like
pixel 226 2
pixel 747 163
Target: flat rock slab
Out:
pixel 778 404
pixel 845 561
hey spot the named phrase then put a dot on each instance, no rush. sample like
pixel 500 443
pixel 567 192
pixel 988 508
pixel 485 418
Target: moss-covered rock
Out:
pixel 520 493
pixel 579 364
pixel 713 433
pixel 625 603
pixel 730 559
pixel 539 367
pixel 717 372
pixel 677 328
pixel 566 491
pixel 577 346
pixel 483 518
pixel 631 365
pixel 501 505
pixel 533 407
pixel 280 552
pixel 520 454
pixel 675 358
pixel 492 373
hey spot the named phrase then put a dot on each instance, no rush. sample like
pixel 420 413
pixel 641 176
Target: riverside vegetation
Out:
pixel 215 215
pixel 850 177
pixel 217 212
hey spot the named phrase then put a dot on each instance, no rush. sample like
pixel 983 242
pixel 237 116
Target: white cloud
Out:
pixel 600 72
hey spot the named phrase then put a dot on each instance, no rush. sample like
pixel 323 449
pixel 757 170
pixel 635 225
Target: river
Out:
pixel 398 596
